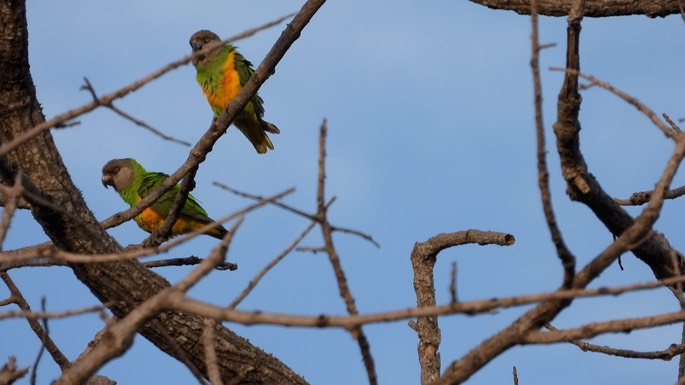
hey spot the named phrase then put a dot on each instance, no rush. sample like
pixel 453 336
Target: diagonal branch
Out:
pixel 47 342
pixel 89 87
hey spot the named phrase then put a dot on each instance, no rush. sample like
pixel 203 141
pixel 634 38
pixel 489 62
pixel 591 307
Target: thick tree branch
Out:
pixel 582 186
pixel 594 8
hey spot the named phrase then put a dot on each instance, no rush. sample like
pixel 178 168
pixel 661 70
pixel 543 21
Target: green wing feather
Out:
pixel 245 71
pixel 192 208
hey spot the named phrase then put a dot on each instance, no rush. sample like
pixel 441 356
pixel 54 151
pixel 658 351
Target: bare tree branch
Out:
pixel 346 322
pixel 595 8
pixel 343 287
pixel 60 359
pixel 666 354
pixel 13 194
pixel 597 328
pixel 641 197
pixel 210 352
pixel 568 260
pixel 10 373
pixel 89 87
pixel 254 281
pixel 299 212
pixel 188 261
pixel 423 258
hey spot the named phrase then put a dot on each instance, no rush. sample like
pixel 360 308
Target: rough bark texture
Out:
pixel 72 227
pixel 593 8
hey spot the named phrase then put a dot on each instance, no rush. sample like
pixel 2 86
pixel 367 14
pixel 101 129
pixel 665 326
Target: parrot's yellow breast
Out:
pixel 150 219
pixel 227 89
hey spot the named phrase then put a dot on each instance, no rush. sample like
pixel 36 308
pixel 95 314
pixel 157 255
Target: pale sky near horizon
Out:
pixel 430 116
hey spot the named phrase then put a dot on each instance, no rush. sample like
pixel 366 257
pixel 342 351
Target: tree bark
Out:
pixel 593 8
pixel 71 226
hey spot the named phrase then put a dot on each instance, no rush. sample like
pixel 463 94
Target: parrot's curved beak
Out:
pixel 196 45
pixel 107 180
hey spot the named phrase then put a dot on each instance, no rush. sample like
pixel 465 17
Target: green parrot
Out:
pixel 222 72
pixel 133 183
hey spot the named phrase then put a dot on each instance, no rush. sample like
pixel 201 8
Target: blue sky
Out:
pixel 429 109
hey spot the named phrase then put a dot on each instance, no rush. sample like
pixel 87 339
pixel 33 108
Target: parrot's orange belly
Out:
pixel 228 88
pixel 149 220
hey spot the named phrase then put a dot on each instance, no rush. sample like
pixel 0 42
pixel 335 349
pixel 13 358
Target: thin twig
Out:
pixel 12 195
pixel 210 352
pixel 674 126
pixel 516 376
pixel 42 334
pixel 51 314
pixel 453 283
pixel 666 354
pixel 188 261
pixel 567 259
pixel 89 87
pixel 34 367
pixel 298 212
pixel 641 197
pixel 666 130
pixel 343 287
pixel 253 283
pixel 10 373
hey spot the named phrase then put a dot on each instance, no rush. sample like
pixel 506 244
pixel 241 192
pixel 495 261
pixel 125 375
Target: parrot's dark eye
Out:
pixel 207 40
pixel 116 170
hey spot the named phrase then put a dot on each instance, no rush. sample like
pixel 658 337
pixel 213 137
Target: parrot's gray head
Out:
pixel 118 173
pixel 202 39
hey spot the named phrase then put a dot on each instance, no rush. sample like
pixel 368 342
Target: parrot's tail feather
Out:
pixel 264 145
pixel 269 127
pixel 218 232
pixel 255 131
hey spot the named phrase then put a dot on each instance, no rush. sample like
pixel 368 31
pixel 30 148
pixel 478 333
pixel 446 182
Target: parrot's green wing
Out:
pixel 245 71
pixel 192 208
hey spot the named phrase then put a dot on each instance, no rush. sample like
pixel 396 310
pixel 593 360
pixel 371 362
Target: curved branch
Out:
pixel 423 259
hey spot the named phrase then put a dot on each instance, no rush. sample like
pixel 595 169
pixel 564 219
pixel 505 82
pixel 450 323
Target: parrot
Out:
pixel 133 183
pixel 222 72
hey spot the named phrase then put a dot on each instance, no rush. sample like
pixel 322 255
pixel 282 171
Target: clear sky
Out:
pixel 429 109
